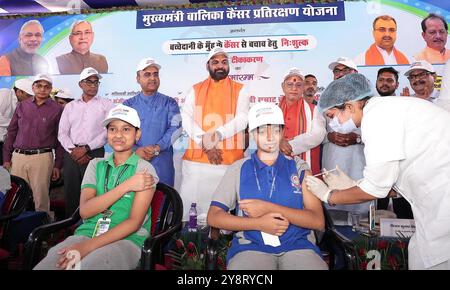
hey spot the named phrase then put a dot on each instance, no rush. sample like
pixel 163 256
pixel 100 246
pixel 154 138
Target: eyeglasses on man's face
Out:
pixel 421 75
pixel 291 85
pixel 91 83
pixel 82 33
pixel 344 70
pixel 384 30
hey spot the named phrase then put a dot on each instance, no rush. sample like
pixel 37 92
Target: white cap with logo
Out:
pixel 89 71
pixel 43 77
pixel 124 113
pixel 217 50
pixel 344 61
pixel 420 64
pixel 262 114
pixel 146 62
pixel 293 72
pixel 25 85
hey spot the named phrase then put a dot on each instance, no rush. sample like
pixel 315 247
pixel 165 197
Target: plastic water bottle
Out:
pixel 193 218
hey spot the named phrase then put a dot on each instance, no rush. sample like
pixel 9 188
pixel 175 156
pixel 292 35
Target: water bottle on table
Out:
pixel 192 227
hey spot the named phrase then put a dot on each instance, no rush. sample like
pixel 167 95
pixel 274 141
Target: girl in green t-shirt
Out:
pixel 114 204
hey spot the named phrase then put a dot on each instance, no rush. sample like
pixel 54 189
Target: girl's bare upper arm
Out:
pixel 141 203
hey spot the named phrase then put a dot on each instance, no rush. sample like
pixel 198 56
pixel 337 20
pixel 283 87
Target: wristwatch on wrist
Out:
pixel 358 139
pixel 156 152
pixel 329 198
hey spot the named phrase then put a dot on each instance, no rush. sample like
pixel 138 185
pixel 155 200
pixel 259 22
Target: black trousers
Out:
pixel 401 207
pixel 73 176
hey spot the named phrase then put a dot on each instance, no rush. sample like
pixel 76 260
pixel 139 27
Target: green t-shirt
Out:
pixel 95 177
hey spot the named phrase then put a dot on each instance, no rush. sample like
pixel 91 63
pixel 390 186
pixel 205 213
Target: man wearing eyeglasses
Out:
pixel 24 60
pixel 434 32
pixel 342 145
pixel 304 125
pixel 81 39
pixel 82 134
pixel 421 76
pixel 31 140
pixel 383 51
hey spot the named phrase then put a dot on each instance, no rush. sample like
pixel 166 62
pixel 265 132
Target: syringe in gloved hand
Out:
pixel 325 172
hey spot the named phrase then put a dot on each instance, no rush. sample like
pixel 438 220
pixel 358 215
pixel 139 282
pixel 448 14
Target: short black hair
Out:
pixel 433 16
pixel 310 76
pixel 388 69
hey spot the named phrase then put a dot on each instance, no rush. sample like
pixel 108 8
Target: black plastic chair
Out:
pixel 16 202
pixel 167 213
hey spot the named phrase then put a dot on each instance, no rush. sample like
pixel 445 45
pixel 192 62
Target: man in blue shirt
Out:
pixel 274 214
pixel 160 121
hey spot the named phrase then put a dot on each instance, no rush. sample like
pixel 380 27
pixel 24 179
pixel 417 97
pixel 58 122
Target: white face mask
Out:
pixel 345 128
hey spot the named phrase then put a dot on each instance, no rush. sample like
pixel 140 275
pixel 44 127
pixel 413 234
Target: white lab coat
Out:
pixel 407 145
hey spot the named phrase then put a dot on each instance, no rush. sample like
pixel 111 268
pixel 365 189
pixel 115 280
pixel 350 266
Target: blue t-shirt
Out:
pixel 279 184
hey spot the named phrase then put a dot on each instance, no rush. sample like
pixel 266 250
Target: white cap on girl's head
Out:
pixel 124 113
pixel 264 114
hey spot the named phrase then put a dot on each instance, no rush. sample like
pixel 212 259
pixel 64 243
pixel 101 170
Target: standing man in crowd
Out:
pixel 343 147
pixel 81 38
pixel 386 85
pixel 160 121
pixel 82 135
pixel 24 60
pixel 421 76
pixel 214 116
pixel 304 125
pixel 8 101
pixel 63 97
pixel 387 81
pixel 435 33
pixel 383 51
pixel 310 89
pixel 32 137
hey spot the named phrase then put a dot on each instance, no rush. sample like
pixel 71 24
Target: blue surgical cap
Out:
pixel 352 87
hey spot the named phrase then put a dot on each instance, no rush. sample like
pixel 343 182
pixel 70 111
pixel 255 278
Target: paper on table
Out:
pixel 270 240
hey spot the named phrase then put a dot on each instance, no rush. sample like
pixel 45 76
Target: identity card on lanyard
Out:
pixel 103 223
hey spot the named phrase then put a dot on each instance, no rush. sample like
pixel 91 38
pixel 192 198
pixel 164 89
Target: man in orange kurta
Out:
pixel 383 51
pixel 304 128
pixel 434 32
pixel 214 116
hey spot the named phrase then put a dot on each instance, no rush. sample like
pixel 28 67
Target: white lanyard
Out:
pixel 272 187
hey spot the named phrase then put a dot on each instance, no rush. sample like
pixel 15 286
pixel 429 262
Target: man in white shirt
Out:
pixel 82 134
pixel 342 146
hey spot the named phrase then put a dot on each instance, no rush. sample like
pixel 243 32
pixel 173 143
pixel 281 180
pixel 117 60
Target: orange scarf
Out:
pixel 300 118
pixel 218 99
pixel 300 127
pixel 374 57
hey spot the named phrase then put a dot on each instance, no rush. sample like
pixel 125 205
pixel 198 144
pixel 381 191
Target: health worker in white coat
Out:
pixel 407 147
